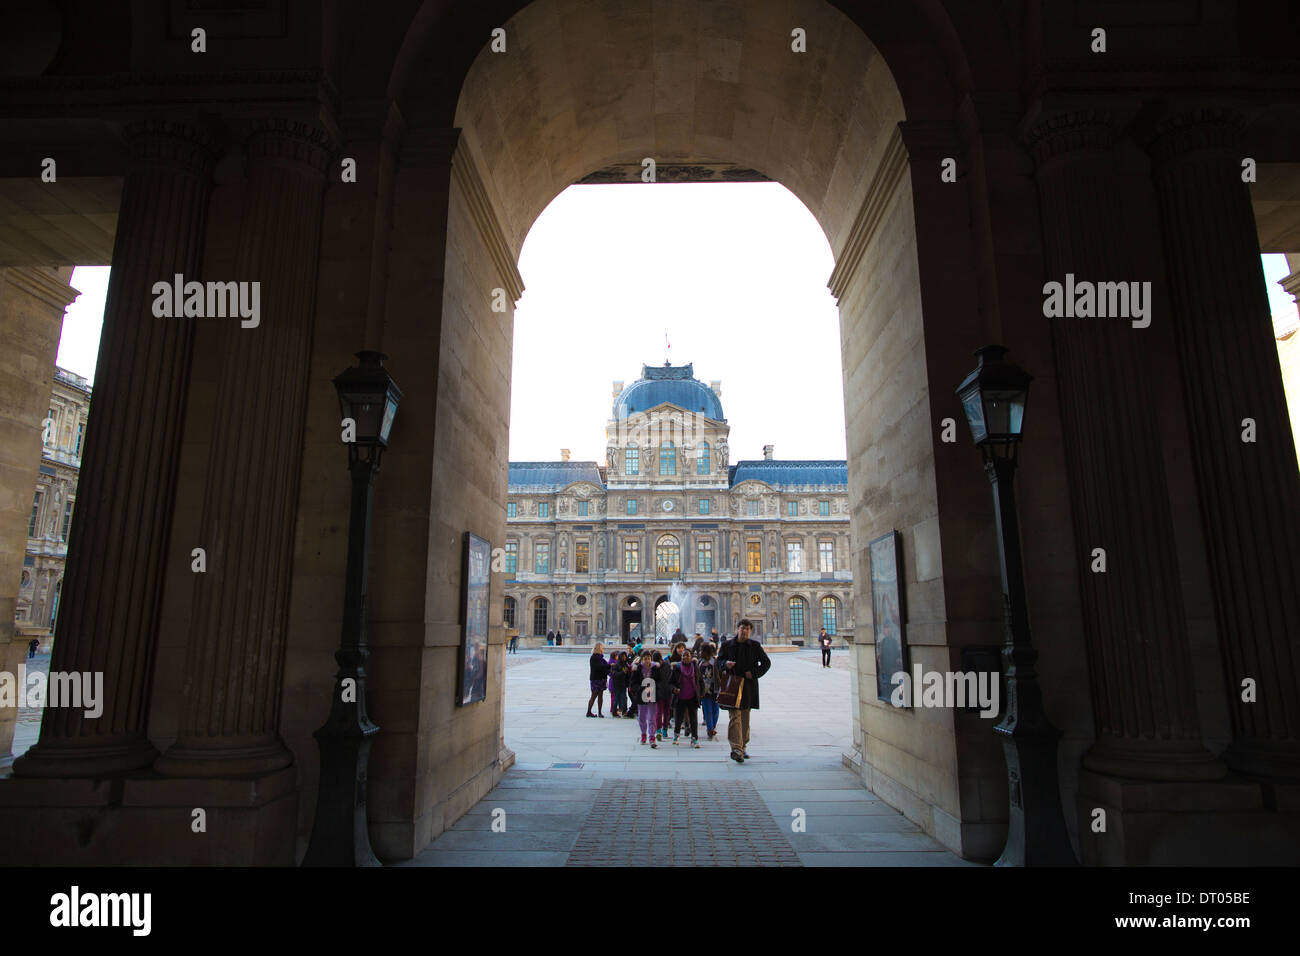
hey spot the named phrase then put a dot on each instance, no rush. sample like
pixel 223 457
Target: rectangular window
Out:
pixel 792 508
pixel 752 508
pixel 704 506
pixel 631 555
pixel 826 556
pixel 512 509
pixel 508 616
pixel 36 513
pixel 632 458
pixel 823 508
pixel 631 506
pixel 582 557
pixel 67 519
pixel 753 557
pixel 793 557
pixel 81 433
pixel 512 557
pixel 796 618
pixel 829 615
pixel 543 509
pixel 542 558
pixel 582 509
pixel 704 556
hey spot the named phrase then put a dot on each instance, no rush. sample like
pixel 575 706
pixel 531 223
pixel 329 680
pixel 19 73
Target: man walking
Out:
pixel 746 658
pixel 824 640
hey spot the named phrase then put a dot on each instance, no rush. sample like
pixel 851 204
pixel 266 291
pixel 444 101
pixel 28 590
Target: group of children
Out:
pixel 659 692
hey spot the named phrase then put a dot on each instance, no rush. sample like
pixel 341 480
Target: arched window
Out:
pixel 830 614
pixel 668 556
pixel 667 459
pixel 508 618
pixel 796 617
pixel 702 459
pixel 540 608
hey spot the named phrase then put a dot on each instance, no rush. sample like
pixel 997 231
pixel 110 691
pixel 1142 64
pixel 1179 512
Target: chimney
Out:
pixel 767 452
pixel 564 454
pixel 618 389
pixel 716 385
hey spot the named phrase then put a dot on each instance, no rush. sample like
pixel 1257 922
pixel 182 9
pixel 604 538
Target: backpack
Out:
pixel 708 677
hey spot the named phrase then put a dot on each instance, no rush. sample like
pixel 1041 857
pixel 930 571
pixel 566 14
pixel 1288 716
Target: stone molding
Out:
pixel 43 286
pixel 304 146
pixel 464 171
pixel 888 174
pixel 163 141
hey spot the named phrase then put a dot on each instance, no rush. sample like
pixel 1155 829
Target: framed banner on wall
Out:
pixel 475 585
pixel 888 612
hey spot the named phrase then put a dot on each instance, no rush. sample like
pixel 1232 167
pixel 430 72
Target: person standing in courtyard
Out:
pixel 686 698
pixel 618 685
pixel 599 674
pixel 645 694
pixel 663 694
pixel 707 670
pixel 824 640
pixel 743 657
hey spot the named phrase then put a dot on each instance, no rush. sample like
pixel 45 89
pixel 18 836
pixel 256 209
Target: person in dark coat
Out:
pixel 618 676
pixel 599 674
pixel 824 640
pixel 550 637
pixel 745 657
pixel 663 694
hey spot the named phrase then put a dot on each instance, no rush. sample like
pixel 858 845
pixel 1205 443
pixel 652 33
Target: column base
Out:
pixel 1272 761
pixel 145 819
pixel 54 759
pixel 224 758
pixel 1143 760
pixel 1229 822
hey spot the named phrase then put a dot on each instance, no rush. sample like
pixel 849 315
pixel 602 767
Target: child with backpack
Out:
pixel 645 691
pixel 686 694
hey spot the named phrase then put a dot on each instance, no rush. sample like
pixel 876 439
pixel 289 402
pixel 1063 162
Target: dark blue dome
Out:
pixel 668 383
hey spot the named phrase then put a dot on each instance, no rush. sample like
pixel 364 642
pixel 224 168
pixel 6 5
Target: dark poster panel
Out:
pixel 475 585
pixel 887 612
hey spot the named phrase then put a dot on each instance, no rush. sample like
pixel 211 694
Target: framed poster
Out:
pixel 475 581
pixel 888 612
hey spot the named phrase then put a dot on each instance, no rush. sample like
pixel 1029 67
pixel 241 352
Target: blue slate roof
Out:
pixel 790 472
pixel 668 383
pixel 551 475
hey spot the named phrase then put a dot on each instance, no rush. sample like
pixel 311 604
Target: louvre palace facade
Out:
pixel 668 532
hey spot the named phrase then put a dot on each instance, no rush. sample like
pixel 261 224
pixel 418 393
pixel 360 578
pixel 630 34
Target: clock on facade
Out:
pixel 668 505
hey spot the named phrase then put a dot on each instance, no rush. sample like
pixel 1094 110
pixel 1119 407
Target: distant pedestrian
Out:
pixel 618 676
pixel 599 672
pixel 707 680
pixel 746 658
pixel 32 647
pixel 514 643
pixel 824 640
pixel 550 638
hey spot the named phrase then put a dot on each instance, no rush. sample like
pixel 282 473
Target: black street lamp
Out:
pixel 993 397
pixel 368 398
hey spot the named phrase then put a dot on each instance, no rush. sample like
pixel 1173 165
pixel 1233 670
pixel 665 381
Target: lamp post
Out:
pixel 993 397
pixel 368 398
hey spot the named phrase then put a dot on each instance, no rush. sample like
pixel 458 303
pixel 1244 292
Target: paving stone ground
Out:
pixel 579 785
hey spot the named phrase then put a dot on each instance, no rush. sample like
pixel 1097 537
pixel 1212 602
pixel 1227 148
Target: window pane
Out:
pixel 754 557
pixel 542 559
pixel 508 617
pixel 631 506
pixel 796 617
pixel 36 511
pixel 630 555
pixel 668 556
pixel 667 459
pixel 539 617
pixel 704 506
pixel 512 556
pixel 543 510
pixel 826 555
pixel 582 509
pixel 512 510
pixel 824 507
pixel 828 614
pixel 792 508
pixel 793 556
pixel 704 556
pixel 702 459
pixel 632 457
pixel 582 556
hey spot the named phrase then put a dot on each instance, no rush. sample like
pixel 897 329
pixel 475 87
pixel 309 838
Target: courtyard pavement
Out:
pixel 586 792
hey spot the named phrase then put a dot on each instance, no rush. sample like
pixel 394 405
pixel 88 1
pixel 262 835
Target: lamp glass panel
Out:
pixel 970 403
pixel 390 410
pixel 366 410
pixel 1003 412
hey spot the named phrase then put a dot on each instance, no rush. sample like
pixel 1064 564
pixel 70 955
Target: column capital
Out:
pixel 190 145
pixel 1070 131
pixel 1203 128
pixel 304 145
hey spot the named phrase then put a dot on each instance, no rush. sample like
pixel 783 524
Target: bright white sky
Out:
pixel 737 274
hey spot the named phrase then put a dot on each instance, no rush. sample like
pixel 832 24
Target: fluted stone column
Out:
pixel 1143 696
pixel 1250 492
pixel 235 659
pixel 112 588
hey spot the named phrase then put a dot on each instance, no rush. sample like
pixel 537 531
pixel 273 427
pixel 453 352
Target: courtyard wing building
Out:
pixel 668 533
